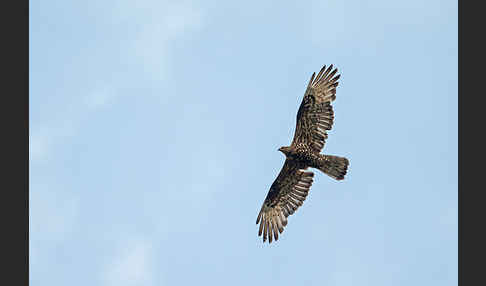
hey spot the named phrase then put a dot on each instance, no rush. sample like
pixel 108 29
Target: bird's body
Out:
pixel 303 154
pixel 291 187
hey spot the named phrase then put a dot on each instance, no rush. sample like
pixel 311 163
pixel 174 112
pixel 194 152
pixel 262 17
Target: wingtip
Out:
pixel 311 79
pixel 320 73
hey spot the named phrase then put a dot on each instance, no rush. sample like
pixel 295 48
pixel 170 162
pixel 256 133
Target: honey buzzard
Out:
pixel 289 190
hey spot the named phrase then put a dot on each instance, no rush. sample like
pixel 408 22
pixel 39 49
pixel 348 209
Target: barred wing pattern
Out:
pixel 286 195
pixel 315 115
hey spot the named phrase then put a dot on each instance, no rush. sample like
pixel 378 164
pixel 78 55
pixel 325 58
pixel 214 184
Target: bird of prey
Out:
pixel 292 185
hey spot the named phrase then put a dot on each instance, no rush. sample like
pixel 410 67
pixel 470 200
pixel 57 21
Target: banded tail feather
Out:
pixel 334 166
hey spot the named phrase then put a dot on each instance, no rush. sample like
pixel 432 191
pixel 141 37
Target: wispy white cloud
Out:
pixel 100 97
pixel 131 265
pixel 164 24
pixel 449 217
pixel 43 137
pixel 53 213
pixel 38 145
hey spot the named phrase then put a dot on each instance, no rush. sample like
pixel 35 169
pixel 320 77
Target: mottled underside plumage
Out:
pixel 291 187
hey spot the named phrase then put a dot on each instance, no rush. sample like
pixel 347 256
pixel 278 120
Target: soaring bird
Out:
pixel 292 185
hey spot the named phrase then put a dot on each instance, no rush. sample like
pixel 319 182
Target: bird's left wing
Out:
pixel 286 195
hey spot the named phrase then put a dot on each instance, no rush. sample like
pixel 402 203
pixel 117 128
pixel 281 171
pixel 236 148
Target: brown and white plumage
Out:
pixel 286 195
pixel 291 187
pixel 315 115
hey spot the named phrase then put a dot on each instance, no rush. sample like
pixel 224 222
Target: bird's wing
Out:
pixel 286 195
pixel 315 115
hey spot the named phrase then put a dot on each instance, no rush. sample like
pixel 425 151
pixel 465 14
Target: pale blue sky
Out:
pixel 154 129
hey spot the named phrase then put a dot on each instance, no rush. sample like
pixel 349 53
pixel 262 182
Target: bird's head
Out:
pixel 284 149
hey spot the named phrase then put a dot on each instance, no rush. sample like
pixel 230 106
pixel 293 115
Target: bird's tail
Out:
pixel 334 166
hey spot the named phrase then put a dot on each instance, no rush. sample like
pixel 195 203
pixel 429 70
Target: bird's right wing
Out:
pixel 315 115
pixel 286 195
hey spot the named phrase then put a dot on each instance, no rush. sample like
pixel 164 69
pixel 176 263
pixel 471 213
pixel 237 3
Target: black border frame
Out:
pixel 470 145
pixel 15 210
pixel 15 119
